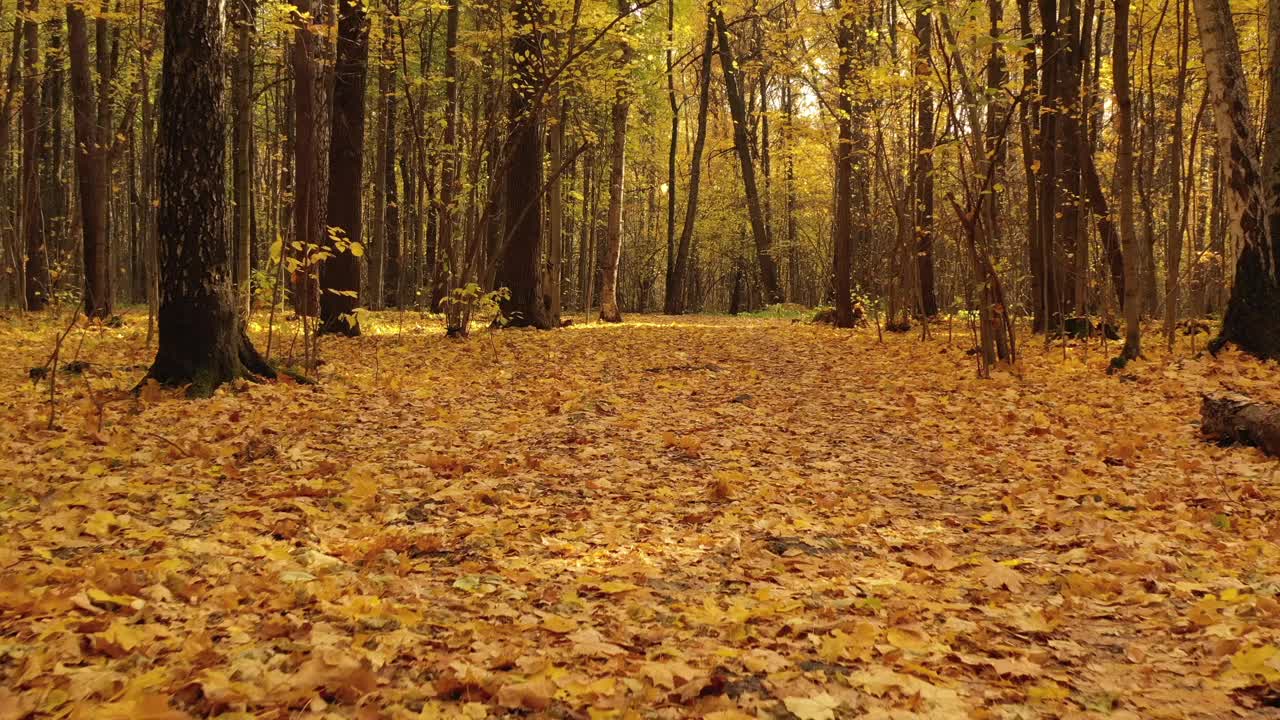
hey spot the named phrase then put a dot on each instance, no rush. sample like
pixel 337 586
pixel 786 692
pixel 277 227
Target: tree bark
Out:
pixel 37 264
pixel 520 267
pixel 89 148
pixel 1271 149
pixel 1250 320
pixel 450 151
pixel 742 144
pixel 310 151
pixel 202 344
pixel 1235 418
pixel 1124 184
pixel 53 200
pixel 340 273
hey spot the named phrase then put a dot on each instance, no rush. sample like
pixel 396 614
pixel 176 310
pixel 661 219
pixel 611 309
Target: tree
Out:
pixel 340 273
pixel 91 176
pixel 242 150
pixel 923 171
pixel 675 300
pixel 1271 150
pixel 742 144
pixel 37 270
pixel 1252 311
pixel 617 165
pixel 312 135
pixel 1124 184
pixel 842 263
pixel 202 342
pixel 519 266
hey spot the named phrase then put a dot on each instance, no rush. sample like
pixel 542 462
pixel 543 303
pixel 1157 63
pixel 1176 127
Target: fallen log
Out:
pixel 1232 417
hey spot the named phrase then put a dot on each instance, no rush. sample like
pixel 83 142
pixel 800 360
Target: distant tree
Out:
pixel 618 115
pixel 202 342
pixel 91 177
pixel 1124 185
pixel 37 266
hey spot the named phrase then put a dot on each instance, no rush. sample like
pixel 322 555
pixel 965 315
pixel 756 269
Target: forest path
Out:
pixel 659 519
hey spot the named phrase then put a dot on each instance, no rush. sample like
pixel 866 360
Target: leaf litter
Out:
pixel 709 517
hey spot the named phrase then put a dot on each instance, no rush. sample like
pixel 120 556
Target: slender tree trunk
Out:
pixel 1124 184
pixel 91 184
pixel 1173 220
pixel 676 301
pixel 393 262
pixel 1271 149
pixel 241 142
pixel 672 155
pixel 742 143
pixel 450 150
pixel 842 263
pixel 1254 305
pixel 923 167
pixel 53 199
pixel 310 151
pixel 201 341
pixel 377 240
pixel 609 311
pixel 340 274
pixel 37 267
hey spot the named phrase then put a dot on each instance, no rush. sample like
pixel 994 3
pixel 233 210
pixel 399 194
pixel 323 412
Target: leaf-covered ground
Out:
pixel 707 518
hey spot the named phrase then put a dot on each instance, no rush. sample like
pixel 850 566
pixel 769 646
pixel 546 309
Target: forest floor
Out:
pixel 702 517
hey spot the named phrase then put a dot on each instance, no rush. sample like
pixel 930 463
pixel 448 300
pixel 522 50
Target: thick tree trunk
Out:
pixel 520 264
pixel 742 143
pixel 1250 320
pixel 675 300
pixel 37 266
pixel 202 343
pixel 1235 418
pixel 1124 184
pixel 1271 150
pixel 340 274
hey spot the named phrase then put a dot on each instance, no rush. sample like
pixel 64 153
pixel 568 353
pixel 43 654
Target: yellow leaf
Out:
pixel 819 707
pixel 1048 690
pixel 559 624
pixel 909 639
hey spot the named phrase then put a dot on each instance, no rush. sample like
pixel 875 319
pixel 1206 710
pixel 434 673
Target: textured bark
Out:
pixel 312 135
pixel 672 154
pixel 842 262
pixel 37 265
pixel 201 340
pixel 742 144
pixel 1250 320
pixel 1124 184
pixel 923 170
pixel 519 267
pixel 393 260
pixel 1231 417
pixel 675 301
pixel 377 239
pixel 1173 219
pixel 89 163
pixel 340 274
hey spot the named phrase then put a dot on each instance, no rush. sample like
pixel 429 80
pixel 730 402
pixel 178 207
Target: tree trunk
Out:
pixel 1271 150
pixel 617 165
pixel 377 240
pixel 1173 220
pixel 1124 184
pixel 520 265
pixel 393 261
pixel 201 342
pixel 1235 418
pixel 340 273
pixel 923 168
pixel 53 200
pixel 92 185
pixel 242 160
pixel 37 269
pixel 450 150
pixel 672 154
pixel 310 152
pixel 742 144
pixel 1250 320
pixel 842 263
pixel 675 300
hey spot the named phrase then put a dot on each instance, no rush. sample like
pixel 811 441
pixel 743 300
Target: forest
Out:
pixel 629 359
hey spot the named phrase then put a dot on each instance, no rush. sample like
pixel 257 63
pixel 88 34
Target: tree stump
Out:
pixel 1236 418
